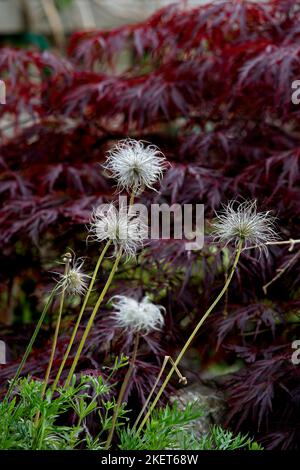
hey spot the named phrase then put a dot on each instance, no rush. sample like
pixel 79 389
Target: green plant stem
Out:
pixel 151 392
pixel 29 347
pixel 132 196
pixel 122 392
pixel 86 299
pixel 92 317
pixel 192 336
pixel 54 343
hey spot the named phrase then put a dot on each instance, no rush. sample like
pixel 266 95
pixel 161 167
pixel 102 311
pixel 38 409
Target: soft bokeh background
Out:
pixel 55 16
pixel 212 88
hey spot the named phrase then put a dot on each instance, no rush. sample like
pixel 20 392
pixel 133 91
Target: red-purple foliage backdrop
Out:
pixel 211 86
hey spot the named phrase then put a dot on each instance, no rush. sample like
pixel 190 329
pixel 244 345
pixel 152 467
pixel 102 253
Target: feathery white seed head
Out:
pixel 74 282
pixel 241 221
pixel 138 317
pixel 124 227
pixel 135 165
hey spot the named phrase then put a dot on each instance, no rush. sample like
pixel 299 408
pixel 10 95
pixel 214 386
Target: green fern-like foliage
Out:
pixel 89 395
pixel 170 428
pixel 217 439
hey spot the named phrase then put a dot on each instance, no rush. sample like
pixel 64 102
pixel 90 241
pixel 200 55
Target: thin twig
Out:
pixel 281 271
pixel 182 380
pixel 290 242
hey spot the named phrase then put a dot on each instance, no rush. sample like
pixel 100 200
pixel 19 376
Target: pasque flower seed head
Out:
pixel 138 317
pixel 75 281
pixel 242 222
pixel 123 226
pixel 135 165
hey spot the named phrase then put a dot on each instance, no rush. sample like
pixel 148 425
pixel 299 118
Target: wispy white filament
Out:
pixel 241 221
pixel 124 227
pixel 135 165
pixel 138 317
pixel 74 282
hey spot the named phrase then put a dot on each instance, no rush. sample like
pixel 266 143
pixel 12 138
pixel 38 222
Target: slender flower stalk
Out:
pixel 139 318
pixel 126 233
pixel 97 227
pixel 92 317
pixel 132 197
pixel 242 225
pixel 158 378
pixel 192 336
pixel 123 391
pixel 30 345
pixel 67 260
pixel 181 378
pixel 82 310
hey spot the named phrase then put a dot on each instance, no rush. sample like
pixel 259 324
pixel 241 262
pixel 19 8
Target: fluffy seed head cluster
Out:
pixel 138 317
pixel 135 165
pixel 74 282
pixel 241 222
pixel 123 226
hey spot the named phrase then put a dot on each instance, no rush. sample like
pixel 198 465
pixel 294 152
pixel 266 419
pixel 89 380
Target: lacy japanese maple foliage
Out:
pixel 211 86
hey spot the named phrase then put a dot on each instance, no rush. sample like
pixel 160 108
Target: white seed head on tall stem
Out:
pixel 126 228
pixel 135 165
pixel 137 317
pixel 242 222
pixel 75 281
